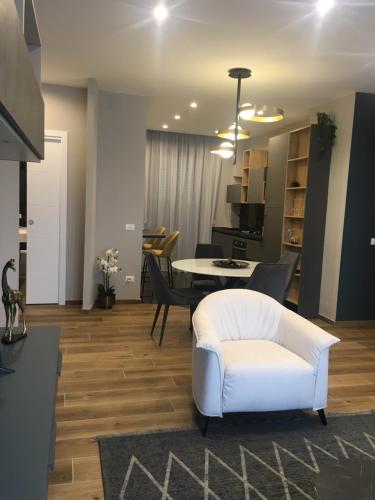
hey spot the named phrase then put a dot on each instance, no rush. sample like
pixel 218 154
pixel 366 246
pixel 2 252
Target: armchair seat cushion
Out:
pixel 261 375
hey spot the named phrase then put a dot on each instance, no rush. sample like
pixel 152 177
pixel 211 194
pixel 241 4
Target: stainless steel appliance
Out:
pixel 239 248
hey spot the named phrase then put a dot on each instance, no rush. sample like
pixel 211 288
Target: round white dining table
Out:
pixel 206 267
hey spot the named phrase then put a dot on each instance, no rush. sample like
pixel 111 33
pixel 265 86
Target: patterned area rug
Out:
pixel 244 457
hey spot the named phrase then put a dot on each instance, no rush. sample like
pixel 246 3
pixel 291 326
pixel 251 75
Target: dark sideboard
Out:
pixel 27 414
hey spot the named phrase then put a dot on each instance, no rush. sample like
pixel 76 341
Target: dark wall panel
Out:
pixel 356 297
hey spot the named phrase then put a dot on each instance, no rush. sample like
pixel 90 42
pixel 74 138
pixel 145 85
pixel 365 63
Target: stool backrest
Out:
pixel 167 244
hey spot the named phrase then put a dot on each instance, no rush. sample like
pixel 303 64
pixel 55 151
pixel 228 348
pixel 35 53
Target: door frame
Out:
pixel 62 137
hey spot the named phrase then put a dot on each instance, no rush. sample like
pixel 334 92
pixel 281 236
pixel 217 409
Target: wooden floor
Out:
pixel 115 379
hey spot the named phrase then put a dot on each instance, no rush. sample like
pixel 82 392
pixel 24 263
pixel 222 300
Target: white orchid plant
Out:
pixel 108 265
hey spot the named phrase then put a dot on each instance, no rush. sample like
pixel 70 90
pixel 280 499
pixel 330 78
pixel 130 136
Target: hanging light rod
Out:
pixel 239 74
pixel 250 112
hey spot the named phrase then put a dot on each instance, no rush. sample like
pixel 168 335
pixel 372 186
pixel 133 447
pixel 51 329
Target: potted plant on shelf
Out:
pixel 108 265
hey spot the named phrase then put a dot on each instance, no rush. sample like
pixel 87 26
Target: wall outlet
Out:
pixel 130 227
pixel 372 241
pixel 129 279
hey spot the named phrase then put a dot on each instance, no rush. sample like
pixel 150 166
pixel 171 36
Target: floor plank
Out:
pixel 116 379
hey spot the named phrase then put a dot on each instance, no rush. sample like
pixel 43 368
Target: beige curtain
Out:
pixel 182 181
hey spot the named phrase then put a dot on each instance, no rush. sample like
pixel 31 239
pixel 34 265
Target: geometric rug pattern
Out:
pixel 242 457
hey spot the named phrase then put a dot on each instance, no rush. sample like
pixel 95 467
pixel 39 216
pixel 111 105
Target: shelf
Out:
pixel 296 245
pixel 245 185
pixel 299 158
pixel 294 216
pixel 296 188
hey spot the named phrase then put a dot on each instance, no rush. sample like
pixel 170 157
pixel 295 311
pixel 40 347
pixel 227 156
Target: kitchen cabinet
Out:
pixel 273 214
pixel 257 184
pixel 234 193
pixel 21 103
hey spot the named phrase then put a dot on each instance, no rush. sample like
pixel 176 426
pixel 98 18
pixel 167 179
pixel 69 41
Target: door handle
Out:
pixel 30 222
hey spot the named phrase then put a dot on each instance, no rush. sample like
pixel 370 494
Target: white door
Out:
pixel 46 223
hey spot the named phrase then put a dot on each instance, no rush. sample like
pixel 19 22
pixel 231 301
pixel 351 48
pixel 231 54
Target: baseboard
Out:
pixel 349 324
pixel 77 302
pixel 355 324
pixel 129 301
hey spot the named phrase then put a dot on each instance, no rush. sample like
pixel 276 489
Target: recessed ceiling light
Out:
pixel 324 6
pixel 160 12
pixel 177 117
pixel 165 125
pixel 193 104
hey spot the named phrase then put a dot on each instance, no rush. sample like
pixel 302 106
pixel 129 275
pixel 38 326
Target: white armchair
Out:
pixel 250 353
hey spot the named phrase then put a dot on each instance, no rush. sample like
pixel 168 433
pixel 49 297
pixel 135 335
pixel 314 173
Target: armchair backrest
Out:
pixel 237 315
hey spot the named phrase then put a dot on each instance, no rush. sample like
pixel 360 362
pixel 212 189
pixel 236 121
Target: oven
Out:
pixel 239 249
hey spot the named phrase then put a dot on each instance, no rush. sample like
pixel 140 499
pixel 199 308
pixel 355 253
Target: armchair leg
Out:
pixel 155 319
pixel 165 316
pixel 322 416
pixel 205 426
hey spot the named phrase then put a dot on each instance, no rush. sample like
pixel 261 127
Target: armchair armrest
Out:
pixel 208 368
pixel 302 337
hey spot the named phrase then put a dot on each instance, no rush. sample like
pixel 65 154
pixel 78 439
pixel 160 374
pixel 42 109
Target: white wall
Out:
pixel 9 209
pixel 343 111
pixel 120 184
pixel 65 109
pixel 89 274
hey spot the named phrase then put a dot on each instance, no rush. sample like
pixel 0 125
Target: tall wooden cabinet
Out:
pixel 305 204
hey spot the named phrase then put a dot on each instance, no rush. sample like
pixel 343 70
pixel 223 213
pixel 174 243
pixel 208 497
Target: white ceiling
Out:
pixel 299 59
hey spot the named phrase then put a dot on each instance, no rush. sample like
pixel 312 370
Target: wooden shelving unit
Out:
pixel 305 202
pixel 295 198
pixel 253 183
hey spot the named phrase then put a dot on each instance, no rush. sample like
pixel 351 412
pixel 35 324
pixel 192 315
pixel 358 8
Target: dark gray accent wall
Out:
pixel 356 295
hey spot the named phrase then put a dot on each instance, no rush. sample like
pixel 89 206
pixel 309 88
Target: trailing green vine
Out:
pixel 327 131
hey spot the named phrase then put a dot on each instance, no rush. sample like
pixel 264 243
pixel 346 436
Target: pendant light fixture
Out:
pixel 229 133
pixel 262 114
pixel 248 112
pixel 225 150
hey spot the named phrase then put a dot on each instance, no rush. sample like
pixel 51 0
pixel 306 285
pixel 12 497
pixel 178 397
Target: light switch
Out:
pixel 130 227
pixel 372 241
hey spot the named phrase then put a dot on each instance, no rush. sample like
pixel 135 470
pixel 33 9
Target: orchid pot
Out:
pixel 108 265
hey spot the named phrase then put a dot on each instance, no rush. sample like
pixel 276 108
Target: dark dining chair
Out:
pixel 269 279
pixel 206 251
pixel 292 259
pixel 167 296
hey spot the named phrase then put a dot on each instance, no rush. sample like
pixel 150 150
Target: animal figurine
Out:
pixel 11 299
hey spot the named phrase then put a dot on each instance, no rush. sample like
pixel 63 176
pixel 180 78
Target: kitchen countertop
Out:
pixel 231 231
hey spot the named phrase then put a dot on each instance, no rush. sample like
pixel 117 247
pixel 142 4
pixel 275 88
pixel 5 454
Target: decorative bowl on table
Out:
pixel 230 264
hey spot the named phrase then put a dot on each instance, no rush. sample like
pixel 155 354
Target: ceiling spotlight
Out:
pixel 225 150
pixel 193 105
pixel 324 6
pixel 177 117
pixel 165 125
pixel 160 12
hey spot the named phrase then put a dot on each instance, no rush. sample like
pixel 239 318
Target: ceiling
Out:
pixel 298 58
